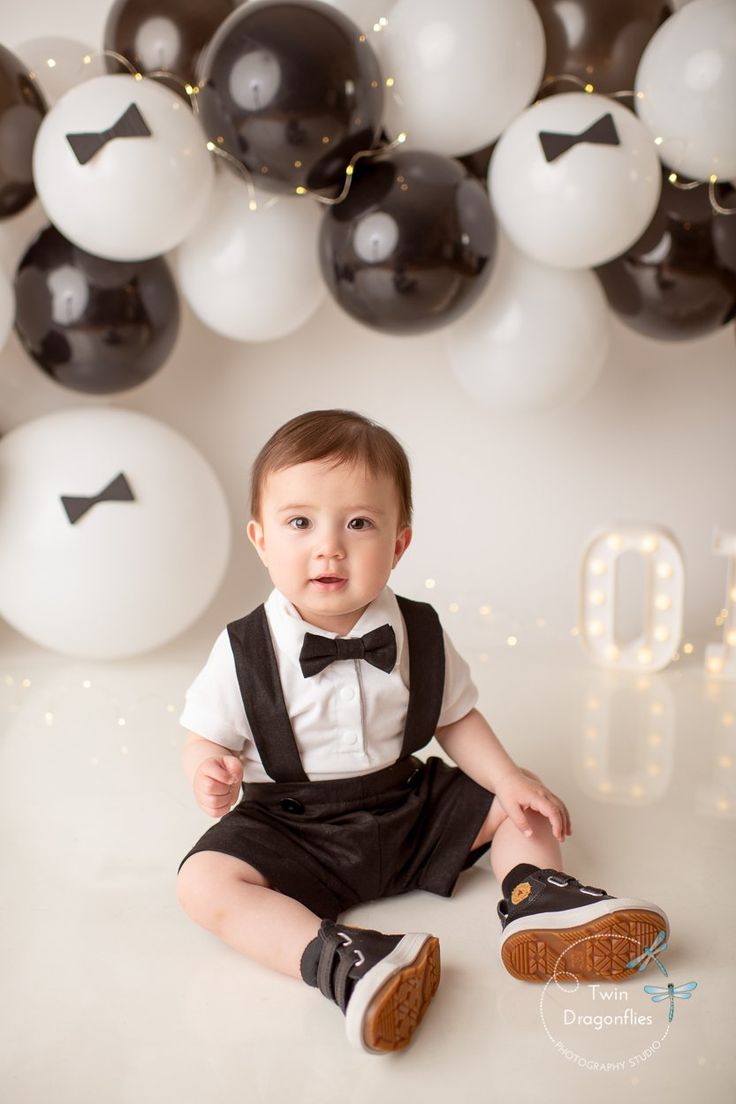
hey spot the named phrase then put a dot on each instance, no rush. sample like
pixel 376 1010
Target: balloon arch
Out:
pixel 429 166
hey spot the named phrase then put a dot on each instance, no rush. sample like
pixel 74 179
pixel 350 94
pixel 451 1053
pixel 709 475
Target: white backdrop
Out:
pixel 503 506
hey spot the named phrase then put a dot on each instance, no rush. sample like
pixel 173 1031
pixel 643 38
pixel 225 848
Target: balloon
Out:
pixel 21 110
pixel 570 200
pixel 94 325
pixel 59 64
pixel 114 532
pixel 678 280
pixel 460 72
pixel 410 248
pixel 127 197
pixel 686 90
pixel 7 308
pixel 253 275
pixel 169 35
pixel 293 91
pixel 366 14
pixel 598 41
pixel 536 339
pixel 478 161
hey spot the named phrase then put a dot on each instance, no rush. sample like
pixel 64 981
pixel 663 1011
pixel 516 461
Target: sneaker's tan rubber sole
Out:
pixel 599 949
pixel 397 1010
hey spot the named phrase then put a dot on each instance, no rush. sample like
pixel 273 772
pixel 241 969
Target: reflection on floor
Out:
pixel 112 994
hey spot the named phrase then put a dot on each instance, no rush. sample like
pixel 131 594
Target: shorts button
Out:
pixel 292 805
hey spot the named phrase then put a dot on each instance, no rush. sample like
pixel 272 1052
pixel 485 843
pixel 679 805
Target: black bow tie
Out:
pixel 117 491
pixel 377 647
pixel 602 132
pixel 131 124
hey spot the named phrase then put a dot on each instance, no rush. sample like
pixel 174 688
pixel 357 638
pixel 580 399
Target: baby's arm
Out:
pixel 474 746
pixel 215 773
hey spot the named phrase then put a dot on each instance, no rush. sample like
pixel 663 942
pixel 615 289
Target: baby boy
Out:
pixel 316 704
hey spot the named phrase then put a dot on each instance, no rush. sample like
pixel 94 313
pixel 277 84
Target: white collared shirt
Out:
pixel 347 720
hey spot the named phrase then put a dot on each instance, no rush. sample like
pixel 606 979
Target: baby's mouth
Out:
pixel 329 581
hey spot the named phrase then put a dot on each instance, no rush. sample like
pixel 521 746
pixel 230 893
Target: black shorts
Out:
pixel 334 844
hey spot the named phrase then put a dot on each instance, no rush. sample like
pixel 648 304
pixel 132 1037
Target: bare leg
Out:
pixel 235 902
pixel 510 846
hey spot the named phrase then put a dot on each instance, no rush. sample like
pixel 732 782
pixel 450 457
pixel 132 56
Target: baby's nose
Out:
pixel 330 546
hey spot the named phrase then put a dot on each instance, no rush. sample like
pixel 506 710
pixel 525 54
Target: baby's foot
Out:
pixel 552 926
pixel 383 983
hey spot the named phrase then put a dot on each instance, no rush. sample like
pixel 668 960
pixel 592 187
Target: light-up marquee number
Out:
pixel 720 659
pixel 655 647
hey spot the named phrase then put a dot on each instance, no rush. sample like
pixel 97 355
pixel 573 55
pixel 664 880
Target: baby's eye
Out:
pixel 293 523
pixel 363 523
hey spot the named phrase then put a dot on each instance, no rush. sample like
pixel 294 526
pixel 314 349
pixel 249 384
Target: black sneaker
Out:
pixel 552 926
pixel 383 983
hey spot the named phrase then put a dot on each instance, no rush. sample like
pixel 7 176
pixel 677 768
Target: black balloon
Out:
pixel 22 108
pixel 478 162
pixel 410 248
pixel 679 280
pixel 599 41
pixel 167 35
pixel 94 325
pixel 293 91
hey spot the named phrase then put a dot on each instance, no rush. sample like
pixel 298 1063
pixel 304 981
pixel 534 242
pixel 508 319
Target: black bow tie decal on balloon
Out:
pixel 117 491
pixel 603 133
pixel 377 647
pixel 131 124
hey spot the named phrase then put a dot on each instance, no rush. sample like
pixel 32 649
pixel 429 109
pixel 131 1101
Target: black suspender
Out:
pixel 426 673
pixel 263 698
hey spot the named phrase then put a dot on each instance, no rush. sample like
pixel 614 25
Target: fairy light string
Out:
pixel 673 177
pixel 192 91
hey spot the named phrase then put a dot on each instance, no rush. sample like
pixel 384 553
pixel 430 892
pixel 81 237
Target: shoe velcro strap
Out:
pixel 345 964
pixel 325 967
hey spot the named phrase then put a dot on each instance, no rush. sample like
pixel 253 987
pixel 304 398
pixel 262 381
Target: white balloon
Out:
pixel 127 575
pixel 536 339
pixel 136 197
pixel 7 308
pixel 253 275
pixel 460 71
pixel 589 203
pixel 686 90
pixel 59 64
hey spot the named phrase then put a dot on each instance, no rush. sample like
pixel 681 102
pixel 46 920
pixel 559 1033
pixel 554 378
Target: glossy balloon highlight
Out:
pixel 411 247
pixel 292 91
pixel 94 325
pixel 679 279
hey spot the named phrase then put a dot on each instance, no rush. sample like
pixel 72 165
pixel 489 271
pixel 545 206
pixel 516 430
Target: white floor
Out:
pixel 111 994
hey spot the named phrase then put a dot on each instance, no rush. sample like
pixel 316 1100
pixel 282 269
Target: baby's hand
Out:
pixel 519 790
pixel 217 784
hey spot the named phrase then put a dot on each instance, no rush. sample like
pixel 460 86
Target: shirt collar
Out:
pixel 288 627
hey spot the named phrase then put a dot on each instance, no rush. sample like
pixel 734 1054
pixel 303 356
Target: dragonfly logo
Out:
pixel 657 992
pixel 610 1027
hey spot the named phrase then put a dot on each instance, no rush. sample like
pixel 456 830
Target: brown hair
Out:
pixel 347 437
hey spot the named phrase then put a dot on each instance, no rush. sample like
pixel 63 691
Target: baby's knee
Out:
pixel 207 879
pixel 194 890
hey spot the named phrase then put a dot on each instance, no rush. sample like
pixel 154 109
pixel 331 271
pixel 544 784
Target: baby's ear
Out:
pixel 255 536
pixel 403 540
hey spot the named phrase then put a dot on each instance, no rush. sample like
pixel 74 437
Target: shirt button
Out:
pixel 350 737
pixel 347 693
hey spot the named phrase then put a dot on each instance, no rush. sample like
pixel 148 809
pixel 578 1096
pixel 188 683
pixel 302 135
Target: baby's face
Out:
pixel 319 522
